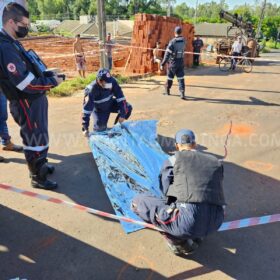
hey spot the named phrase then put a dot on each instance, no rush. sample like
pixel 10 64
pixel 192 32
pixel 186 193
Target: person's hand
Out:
pixel 161 67
pixel 121 120
pixel 86 133
pixel 58 79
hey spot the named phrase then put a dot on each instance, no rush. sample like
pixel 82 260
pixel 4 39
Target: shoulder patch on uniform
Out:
pixel 11 67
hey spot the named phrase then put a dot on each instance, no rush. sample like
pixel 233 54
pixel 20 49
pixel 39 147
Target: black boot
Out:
pixel 51 168
pixel 182 94
pixel 167 91
pixel 39 170
pixel 43 183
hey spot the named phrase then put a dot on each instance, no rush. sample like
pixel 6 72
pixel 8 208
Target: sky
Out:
pixel 231 3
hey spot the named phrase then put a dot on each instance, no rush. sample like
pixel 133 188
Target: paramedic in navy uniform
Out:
pixel 25 87
pixel 103 97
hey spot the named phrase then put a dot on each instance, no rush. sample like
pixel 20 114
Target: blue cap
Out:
pixel 104 75
pixel 178 30
pixel 184 136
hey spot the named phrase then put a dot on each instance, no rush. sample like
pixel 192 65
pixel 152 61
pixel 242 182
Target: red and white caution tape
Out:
pixel 121 47
pixel 76 206
pixel 225 226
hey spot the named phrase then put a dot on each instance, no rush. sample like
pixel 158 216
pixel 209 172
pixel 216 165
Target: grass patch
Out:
pixel 69 87
pixel 265 50
pixel 272 45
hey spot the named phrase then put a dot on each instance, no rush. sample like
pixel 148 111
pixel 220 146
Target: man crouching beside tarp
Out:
pixel 191 181
pixel 103 97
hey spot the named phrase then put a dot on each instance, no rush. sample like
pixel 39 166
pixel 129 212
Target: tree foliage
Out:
pixel 207 12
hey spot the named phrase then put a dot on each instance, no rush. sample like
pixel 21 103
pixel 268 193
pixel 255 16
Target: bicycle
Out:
pixel 244 63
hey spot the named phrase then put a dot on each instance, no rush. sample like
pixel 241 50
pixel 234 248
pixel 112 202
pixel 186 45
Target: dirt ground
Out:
pixel 57 52
pixel 40 240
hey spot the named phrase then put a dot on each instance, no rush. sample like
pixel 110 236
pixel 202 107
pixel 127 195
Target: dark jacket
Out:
pixel 99 99
pixel 193 177
pixel 174 53
pixel 197 45
pixel 18 77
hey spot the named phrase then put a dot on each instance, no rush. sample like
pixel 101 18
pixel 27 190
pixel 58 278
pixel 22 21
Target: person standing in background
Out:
pixel 79 56
pixel 157 55
pixel 197 46
pixel 174 56
pixel 108 51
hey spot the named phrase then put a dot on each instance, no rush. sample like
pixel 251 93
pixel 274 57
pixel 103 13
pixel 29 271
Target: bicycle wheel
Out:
pixel 247 65
pixel 225 64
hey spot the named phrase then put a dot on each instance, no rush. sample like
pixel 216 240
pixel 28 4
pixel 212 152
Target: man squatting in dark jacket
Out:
pixel 192 207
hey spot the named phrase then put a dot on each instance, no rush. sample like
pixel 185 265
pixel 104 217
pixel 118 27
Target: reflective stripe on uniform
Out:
pixel 87 112
pixel 23 84
pixel 172 160
pixel 180 78
pixel 103 100
pixel 170 79
pixel 36 148
pixel 120 99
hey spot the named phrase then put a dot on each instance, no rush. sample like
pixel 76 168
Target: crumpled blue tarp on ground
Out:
pixel 129 160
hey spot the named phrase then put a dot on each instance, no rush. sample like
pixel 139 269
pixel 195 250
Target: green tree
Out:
pixel 33 10
pixel 270 26
pixel 184 11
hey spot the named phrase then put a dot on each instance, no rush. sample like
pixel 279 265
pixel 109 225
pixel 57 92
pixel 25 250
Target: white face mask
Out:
pixel 108 85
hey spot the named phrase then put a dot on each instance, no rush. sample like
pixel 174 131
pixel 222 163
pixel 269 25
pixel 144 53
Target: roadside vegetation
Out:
pixel 205 12
pixel 72 86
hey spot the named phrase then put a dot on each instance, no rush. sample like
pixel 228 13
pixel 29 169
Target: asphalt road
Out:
pixel 39 240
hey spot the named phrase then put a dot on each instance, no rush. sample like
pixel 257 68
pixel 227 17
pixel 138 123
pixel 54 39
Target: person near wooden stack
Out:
pixel 174 56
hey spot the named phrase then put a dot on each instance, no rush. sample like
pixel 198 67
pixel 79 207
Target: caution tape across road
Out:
pixel 248 222
pixel 120 47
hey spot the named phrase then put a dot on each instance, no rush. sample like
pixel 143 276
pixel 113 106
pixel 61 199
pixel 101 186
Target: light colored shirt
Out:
pixel 108 48
pixel 237 47
pixel 4 3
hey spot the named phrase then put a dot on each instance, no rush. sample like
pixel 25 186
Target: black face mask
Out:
pixel 22 31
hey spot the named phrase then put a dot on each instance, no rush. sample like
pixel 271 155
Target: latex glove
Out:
pixel 86 133
pixel 161 67
pixel 58 79
pixel 121 120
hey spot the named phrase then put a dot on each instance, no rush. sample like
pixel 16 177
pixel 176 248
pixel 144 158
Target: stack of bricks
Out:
pixel 149 29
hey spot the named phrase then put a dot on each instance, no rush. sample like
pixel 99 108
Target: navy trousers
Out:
pixel 101 118
pixel 32 117
pixel 178 71
pixel 4 132
pixel 192 220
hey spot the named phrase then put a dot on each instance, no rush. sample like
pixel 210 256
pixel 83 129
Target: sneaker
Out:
pixel 189 247
pixel 11 147
pixel 183 248
pixel 198 240
pixel 175 249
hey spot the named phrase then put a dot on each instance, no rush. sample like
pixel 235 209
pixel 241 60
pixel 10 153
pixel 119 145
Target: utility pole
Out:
pixel 102 31
pixel 168 8
pixel 258 35
pixel 195 15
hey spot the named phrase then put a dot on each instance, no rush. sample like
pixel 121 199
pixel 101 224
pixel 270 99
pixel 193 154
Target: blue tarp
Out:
pixel 129 160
